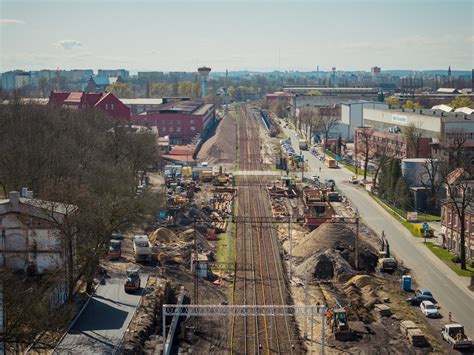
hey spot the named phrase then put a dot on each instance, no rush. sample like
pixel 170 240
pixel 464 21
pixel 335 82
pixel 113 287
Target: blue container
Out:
pixel 406 283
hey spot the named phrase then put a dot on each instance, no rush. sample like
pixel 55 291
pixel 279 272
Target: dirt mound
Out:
pixel 324 266
pixel 220 148
pixel 327 236
pixel 329 252
pixel 362 291
pixel 162 235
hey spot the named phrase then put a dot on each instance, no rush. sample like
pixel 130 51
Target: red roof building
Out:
pixel 106 102
pixel 181 120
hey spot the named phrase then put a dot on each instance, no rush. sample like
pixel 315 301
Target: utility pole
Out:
pixel 357 241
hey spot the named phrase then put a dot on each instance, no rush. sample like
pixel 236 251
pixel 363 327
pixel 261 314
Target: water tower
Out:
pixel 204 71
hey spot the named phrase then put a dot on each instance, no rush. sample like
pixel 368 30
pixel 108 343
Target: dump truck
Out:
pixel 132 282
pixel 142 248
pixel 454 335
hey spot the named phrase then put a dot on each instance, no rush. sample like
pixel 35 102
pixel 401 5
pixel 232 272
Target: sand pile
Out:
pixel 329 252
pixel 221 147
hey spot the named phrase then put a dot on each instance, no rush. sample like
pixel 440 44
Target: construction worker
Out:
pixel 328 316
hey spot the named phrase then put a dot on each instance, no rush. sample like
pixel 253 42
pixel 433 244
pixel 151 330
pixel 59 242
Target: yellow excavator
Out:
pixel 386 262
pixel 340 324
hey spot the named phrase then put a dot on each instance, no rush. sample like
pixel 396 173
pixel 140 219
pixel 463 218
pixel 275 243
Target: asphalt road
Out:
pixel 449 289
pixel 100 327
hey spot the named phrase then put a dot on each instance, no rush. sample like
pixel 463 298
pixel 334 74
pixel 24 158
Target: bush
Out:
pixel 456 259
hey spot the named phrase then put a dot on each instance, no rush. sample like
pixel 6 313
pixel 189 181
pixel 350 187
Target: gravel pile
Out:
pixel 221 147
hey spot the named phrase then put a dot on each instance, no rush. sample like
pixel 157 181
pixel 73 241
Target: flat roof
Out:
pixel 203 109
pixel 142 101
pixel 430 113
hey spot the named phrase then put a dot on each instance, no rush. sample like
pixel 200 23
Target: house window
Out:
pixel 178 129
pixel 171 129
pixel 193 129
pixel 192 121
pixel 163 129
pixel 111 106
pixel 106 107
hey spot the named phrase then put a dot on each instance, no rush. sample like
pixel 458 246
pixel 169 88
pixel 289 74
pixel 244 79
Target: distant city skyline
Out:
pixel 163 35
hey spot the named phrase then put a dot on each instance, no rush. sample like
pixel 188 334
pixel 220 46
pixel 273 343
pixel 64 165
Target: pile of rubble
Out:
pixel 329 253
pixel 176 248
pixel 141 335
pixel 221 206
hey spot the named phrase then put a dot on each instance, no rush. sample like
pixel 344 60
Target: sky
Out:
pixel 263 35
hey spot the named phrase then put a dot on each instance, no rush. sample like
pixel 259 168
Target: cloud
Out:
pixel 11 21
pixel 69 44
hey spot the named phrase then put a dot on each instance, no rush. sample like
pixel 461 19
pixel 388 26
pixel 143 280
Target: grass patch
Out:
pixel 446 256
pixel 414 228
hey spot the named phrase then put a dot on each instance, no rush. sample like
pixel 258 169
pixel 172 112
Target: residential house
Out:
pixel 106 102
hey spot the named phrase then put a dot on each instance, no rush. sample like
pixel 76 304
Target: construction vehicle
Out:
pixel 115 249
pixel 340 324
pixel 132 282
pixel 386 262
pixel 221 180
pixel 142 248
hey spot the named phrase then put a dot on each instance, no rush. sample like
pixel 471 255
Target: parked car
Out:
pixel 421 294
pixel 429 309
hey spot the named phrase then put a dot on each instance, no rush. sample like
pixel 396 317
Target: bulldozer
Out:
pixel 340 324
pixel 386 262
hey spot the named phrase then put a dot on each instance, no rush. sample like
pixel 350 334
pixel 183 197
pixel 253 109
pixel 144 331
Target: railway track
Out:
pixel 257 246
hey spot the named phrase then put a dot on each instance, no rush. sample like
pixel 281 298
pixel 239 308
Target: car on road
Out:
pixel 330 182
pixel 421 294
pixel 429 309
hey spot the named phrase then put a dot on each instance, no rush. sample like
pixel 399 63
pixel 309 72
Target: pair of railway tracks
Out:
pixel 256 245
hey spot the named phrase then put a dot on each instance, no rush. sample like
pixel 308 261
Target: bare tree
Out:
pixel 325 124
pixel 308 117
pixel 459 184
pixel 365 142
pixel 413 134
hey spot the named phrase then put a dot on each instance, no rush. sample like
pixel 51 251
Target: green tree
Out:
pixel 393 102
pixel 120 90
pixel 231 91
pixel 461 101
pixel 161 90
pixel 401 195
pixel 412 105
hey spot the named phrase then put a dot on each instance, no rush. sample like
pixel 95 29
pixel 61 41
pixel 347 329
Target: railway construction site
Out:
pixel 267 262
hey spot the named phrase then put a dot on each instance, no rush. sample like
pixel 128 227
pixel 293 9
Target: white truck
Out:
pixel 454 335
pixel 303 144
pixel 142 248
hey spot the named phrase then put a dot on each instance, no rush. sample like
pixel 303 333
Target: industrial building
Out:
pixel 352 114
pixel 182 120
pixel 431 123
pixel 106 102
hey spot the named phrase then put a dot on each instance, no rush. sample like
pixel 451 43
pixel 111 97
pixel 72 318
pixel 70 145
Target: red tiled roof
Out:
pixel 183 150
pixel 182 158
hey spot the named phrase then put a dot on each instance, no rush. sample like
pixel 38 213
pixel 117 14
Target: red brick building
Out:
pixel 181 120
pixel 390 144
pixel 450 221
pixel 106 102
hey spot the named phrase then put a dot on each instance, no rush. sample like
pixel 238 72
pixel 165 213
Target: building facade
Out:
pixel 451 227
pixel 124 74
pixel 352 114
pixel 390 144
pixel 431 123
pixel 31 238
pixel 182 121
